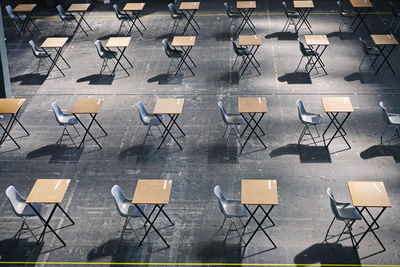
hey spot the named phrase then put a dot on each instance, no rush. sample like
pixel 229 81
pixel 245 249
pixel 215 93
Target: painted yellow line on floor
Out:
pixel 200 264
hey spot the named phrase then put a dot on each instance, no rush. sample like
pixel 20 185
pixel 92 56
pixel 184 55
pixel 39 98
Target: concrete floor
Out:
pixel 303 173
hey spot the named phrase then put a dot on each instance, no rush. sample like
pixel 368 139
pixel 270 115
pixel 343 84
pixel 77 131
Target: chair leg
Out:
pixel 226 128
pixel 329 228
pixel 344 228
pixel 312 137
pixel 383 134
pixel 223 223
pixel 302 134
pixel 315 126
pixel 299 63
pixel 124 227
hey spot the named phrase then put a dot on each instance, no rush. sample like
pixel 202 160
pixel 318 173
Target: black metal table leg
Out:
pixel 6 132
pixel 246 14
pixel 185 55
pixel 167 131
pixel 303 15
pixel 119 60
pixel 317 59
pixel 54 61
pixel 259 224
pixel 247 126
pixel 385 58
pixel 151 222
pixel 370 226
pixel 361 18
pixel 339 127
pixel 133 20
pixel 252 129
pixel 189 20
pixel 87 130
pixel 249 59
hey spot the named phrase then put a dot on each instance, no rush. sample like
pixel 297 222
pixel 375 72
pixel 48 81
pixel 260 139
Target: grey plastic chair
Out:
pixel 104 54
pixel 345 212
pixel 345 15
pixel 232 14
pixel 396 14
pixel 39 54
pixel 175 15
pixel 232 121
pixel 15 18
pixel 149 120
pixel 64 120
pixel 369 51
pixel 23 210
pixel 231 209
pixel 241 52
pixel 308 54
pixel 392 120
pixel 126 209
pixel 291 17
pixel 308 119
pixel 123 18
pixel 65 18
pixel 171 52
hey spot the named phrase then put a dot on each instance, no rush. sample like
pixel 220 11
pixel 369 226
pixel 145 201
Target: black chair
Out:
pixel 346 16
pixel 233 15
pixel 171 52
pixel 123 18
pixel 175 15
pixel 104 54
pixel 371 52
pixel 291 17
pixel 306 53
pixel 65 18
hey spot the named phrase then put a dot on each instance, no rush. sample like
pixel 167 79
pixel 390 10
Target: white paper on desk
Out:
pixel 165 185
pixel 57 184
pixel 376 187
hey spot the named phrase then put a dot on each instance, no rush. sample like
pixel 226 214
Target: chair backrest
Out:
pixel 61 12
pixel 227 8
pixel 221 198
pixel 303 49
pixel 119 198
pixel 364 45
pixel 35 50
pixel 285 7
pixel 172 10
pixel 235 46
pixel 333 203
pixel 177 2
pixel 17 202
pixel 58 113
pixel 142 111
pixel 224 114
pixel 167 47
pixel 300 109
pixel 385 113
pixel 339 3
pixel 10 12
pixel 99 48
pixel 117 11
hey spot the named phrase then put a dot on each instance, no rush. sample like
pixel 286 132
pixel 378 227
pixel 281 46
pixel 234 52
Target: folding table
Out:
pixel 153 192
pixel 135 9
pixel 246 9
pixel 258 193
pixel 27 10
pixel 303 8
pixel 186 43
pixel 252 106
pixel 80 9
pixel 255 42
pixel 172 107
pixel 90 106
pixel 190 8
pixel 382 41
pixel 49 191
pixel 57 43
pixel 119 42
pixel 362 8
pixel 314 42
pixel 333 106
pixel 11 106
pixel 366 195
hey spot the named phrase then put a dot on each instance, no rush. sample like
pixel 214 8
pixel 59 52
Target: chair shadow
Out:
pixel 97 79
pixel 166 78
pixel 364 77
pixel 218 251
pixel 221 153
pixel 58 153
pixel 307 154
pixel 231 77
pixel 382 151
pixel 30 79
pixel 282 36
pixel 295 78
pixel 142 151
pixel 22 250
pixel 341 35
pixel 326 254
pixel 223 37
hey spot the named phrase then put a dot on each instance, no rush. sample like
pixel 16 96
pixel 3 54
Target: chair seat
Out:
pixel 312 118
pixel 348 212
pixel 293 15
pixel 26 209
pixel 109 54
pixel 243 52
pixel 310 52
pixel 175 53
pixel 234 209
pixel 68 17
pixel 394 118
pixel 1 117
pixel 372 51
pixel 151 119
pixel 21 16
pixel 234 14
pixel 67 119
pixel 124 17
pixel 42 54
pixel 347 14
pixel 177 16
pixel 234 119
pixel 130 210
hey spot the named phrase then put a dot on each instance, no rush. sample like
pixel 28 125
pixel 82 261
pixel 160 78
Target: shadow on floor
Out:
pixel 165 79
pixel 219 251
pixel 323 253
pixel 295 78
pixel 231 77
pixel 30 79
pixel 282 36
pixel 223 36
pixel 382 151
pixel 21 251
pixel 58 153
pixel 97 79
pixel 221 153
pixel 342 35
pixel 307 154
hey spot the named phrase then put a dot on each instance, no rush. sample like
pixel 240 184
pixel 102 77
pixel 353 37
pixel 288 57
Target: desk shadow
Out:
pixel 341 35
pixel 295 78
pixel 223 37
pixel 58 153
pixel 221 153
pixel 382 151
pixel 97 79
pixel 30 79
pixel 166 78
pixel 231 77
pixel 326 254
pixel 218 251
pixel 307 154
pixel 20 250
pixel 282 36
pixel 142 151
pixel 363 76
